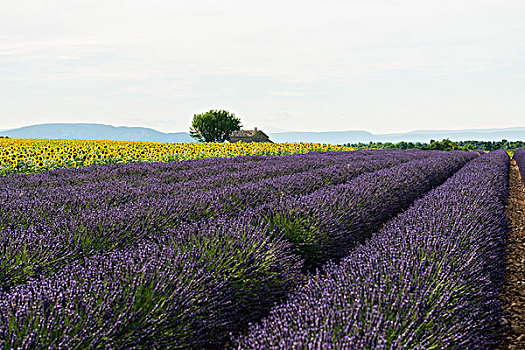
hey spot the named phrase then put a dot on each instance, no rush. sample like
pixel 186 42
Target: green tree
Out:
pixel 214 126
pixel 445 145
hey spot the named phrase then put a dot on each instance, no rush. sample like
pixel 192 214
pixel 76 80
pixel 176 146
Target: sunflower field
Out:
pixel 28 156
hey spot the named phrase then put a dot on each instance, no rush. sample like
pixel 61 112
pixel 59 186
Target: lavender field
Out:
pixel 328 250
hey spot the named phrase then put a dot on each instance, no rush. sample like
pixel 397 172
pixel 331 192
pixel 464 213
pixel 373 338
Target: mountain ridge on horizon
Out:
pixel 94 131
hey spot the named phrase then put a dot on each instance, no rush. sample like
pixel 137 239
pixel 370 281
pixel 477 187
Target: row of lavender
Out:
pixel 429 279
pixel 43 228
pixel 192 284
pixel 519 157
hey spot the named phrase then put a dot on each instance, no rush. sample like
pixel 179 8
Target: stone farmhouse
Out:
pixel 254 135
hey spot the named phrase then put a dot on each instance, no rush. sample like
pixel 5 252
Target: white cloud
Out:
pixel 295 93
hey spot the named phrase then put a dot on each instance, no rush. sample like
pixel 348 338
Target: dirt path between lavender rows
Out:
pixel 514 289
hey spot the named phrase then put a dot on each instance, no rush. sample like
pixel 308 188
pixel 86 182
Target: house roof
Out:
pixel 244 133
pixel 247 133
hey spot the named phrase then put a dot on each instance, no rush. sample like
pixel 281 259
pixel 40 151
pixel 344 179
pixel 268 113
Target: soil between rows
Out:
pixel 514 288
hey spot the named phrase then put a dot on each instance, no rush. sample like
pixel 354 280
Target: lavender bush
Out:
pixel 519 157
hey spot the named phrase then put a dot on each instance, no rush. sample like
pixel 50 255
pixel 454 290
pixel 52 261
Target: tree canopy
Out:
pixel 214 126
pixel 447 145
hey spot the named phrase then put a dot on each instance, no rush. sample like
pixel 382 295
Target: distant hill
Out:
pixel 511 134
pixel 335 137
pixel 341 137
pixel 95 132
pixel 124 133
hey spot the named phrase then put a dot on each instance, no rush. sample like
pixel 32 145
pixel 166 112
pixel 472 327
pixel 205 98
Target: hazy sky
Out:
pixel 375 65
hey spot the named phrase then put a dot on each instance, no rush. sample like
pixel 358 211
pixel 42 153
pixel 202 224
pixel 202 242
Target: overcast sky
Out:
pixel 375 65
